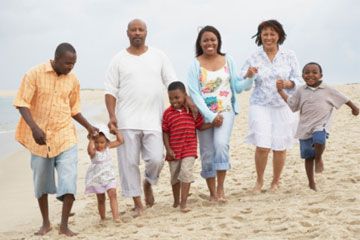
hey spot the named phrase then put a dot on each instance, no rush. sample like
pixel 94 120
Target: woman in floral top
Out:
pixel 213 85
pixel 272 124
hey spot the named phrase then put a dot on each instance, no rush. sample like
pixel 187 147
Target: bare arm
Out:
pixel 91 147
pixel 110 102
pixel 119 140
pixel 170 155
pixel 354 108
pixel 38 134
pixel 90 128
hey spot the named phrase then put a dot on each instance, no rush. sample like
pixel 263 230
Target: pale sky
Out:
pixel 325 31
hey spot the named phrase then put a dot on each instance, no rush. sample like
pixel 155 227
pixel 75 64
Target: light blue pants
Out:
pixel 44 173
pixel 214 147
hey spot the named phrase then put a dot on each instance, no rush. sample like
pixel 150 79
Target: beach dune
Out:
pixel 293 212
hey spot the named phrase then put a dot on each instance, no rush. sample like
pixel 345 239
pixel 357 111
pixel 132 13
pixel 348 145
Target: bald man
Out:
pixel 134 99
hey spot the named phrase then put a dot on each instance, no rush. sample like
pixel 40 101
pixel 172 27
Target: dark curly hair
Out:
pixel 274 24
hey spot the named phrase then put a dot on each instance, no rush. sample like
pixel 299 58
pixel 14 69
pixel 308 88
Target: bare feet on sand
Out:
pixel 66 231
pixel 43 230
pixel 221 195
pixel 257 188
pixel 138 211
pixel 184 209
pixel 312 186
pixel 274 187
pixel 319 166
pixel 175 204
pixel 149 196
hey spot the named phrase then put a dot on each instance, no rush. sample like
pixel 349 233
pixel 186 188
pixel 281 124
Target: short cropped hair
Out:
pixel 312 63
pixel 62 48
pixel 176 85
pixel 198 49
pixel 274 24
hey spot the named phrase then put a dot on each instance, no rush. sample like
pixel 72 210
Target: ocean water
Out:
pixel 9 115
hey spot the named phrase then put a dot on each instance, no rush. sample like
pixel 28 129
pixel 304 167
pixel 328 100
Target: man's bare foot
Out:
pixel 149 196
pixel 319 166
pixel 138 211
pixel 66 231
pixel 43 230
pixel 176 204
pixel 257 188
pixel 312 186
pixel 117 220
pixel 222 199
pixel 213 199
pixel 274 187
pixel 184 209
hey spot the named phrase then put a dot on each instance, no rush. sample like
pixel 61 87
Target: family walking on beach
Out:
pixel 202 108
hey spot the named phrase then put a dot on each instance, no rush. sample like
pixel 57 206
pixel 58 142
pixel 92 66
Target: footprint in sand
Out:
pixel 246 211
pixel 317 210
pixel 306 224
pixel 238 218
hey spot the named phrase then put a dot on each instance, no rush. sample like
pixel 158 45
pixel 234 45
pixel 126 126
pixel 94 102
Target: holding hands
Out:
pixel 218 120
pixel 251 72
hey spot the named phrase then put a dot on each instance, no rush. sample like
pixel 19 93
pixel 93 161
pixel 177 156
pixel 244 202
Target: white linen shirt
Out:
pixel 137 83
pixel 284 66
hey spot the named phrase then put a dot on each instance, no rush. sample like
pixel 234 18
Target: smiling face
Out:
pixel 136 33
pixel 209 43
pixel 269 38
pixel 312 75
pixel 177 98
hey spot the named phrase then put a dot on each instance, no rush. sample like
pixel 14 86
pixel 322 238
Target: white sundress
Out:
pixel 100 175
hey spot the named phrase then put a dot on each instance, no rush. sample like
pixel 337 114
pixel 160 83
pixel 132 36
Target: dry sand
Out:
pixel 293 212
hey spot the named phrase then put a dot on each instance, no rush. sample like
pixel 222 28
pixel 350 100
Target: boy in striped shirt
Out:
pixel 179 135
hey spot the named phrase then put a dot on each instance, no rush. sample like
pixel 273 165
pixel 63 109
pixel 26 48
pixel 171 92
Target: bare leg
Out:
pixel 114 204
pixel 261 157
pixel 211 186
pixel 67 205
pixel 138 206
pixel 44 209
pixel 319 165
pixel 278 165
pixel 309 167
pixel 101 205
pixel 220 185
pixel 148 193
pixel 176 194
pixel 185 187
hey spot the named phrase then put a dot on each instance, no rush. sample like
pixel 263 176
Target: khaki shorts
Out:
pixel 182 170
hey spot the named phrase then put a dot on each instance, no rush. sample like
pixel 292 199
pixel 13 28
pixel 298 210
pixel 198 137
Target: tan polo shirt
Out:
pixel 315 106
pixel 52 101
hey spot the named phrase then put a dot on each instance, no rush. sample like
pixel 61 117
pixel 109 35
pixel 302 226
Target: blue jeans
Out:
pixel 44 173
pixel 307 150
pixel 214 147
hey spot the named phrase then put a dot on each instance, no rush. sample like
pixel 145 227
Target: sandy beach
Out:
pixel 293 212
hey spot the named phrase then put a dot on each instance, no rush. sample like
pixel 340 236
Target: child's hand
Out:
pixel 170 155
pixel 251 72
pixel 280 84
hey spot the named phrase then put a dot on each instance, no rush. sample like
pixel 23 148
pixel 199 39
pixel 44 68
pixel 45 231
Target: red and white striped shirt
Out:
pixel 181 127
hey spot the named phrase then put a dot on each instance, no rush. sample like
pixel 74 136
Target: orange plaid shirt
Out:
pixel 52 101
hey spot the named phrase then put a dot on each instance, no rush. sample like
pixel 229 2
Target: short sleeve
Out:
pixel 26 91
pixel 199 121
pixel 337 99
pixel 165 123
pixel 75 98
pixel 293 101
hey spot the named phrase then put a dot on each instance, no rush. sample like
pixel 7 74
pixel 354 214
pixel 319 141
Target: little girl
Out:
pixel 100 176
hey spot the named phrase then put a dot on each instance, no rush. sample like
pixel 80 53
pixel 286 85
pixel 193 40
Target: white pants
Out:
pixel 150 145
